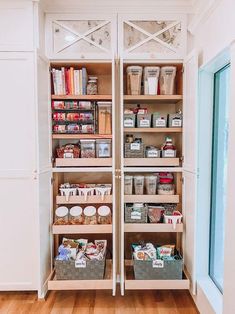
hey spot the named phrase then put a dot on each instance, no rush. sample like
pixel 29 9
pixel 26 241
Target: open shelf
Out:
pixel 91 199
pixel 79 136
pixel 155 98
pixel 152 227
pixel 81 97
pixel 153 130
pixel 148 162
pixel 74 229
pixel 106 283
pixel 83 162
pixel 151 199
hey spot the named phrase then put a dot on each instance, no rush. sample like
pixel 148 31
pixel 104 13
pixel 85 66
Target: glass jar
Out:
pixel 129 138
pixel 168 149
pixel 87 148
pixel 92 85
pixel 104 215
pixel 76 215
pixel 62 216
pixel 166 187
pixel 151 185
pixel 90 217
pixel 139 185
pixel 103 148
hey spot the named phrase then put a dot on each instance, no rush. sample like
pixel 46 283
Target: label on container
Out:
pixel 80 263
pixel 135 215
pixel 169 153
pixel 68 155
pixel 176 123
pixel 160 122
pixel 158 263
pixel 128 123
pixel 135 146
pixel 144 123
pixel 152 153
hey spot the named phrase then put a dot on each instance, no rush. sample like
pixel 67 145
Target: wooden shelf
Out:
pixel 74 229
pixel 151 162
pixel 153 130
pixel 83 162
pixel 151 199
pixel 104 284
pixel 155 98
pixel 91 199
pixel 81 97
pixel 151 227
pixel 79 136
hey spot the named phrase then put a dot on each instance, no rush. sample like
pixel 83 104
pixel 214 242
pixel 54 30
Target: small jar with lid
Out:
pixel 76 215
pixel 103 148
pixel 92 85
pixel 90 215
pixel 87 148
pixel 166 186
pixel 129 138
pixel 104 215
pixel 168 149
pixel 62 216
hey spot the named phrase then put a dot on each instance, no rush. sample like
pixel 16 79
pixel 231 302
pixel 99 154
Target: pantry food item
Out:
pixel 61 216
pixel 150 184
pixel 104 215
pixel 85 105
pixel 152 152
pixel 155 213
pixel 87 148
pixel 165 188
pixel 90 217
pixel 168 149
pixel 134 75
pixel 165 251
pixel 159 120
pixel 151 75
pixel 68 151
pixel 144 120
pixel 144 251
pixel 92 85
pixel 167 80
pixel 128 185
pixel 138 185
pixel 73 128
pixel 76 215
pixel 87 129
pixel 175 120
pixel 136 213
pixel 59 128
pixel 58 105
pixel 129 120
pixel 104 117
pixel 103 148
pixel 129 138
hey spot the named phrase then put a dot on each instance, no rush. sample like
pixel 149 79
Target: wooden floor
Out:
pixel 99 302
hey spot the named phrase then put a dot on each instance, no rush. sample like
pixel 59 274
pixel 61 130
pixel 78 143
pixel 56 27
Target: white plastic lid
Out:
pixel 61 211
pixel 75 211
pixel 89 211
pixel 138 205
pixel 104 210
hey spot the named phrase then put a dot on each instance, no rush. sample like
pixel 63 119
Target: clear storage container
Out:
pixel 151 185
pixel 104 117
pixel 128 185
pixel 159 120
pixel 152 152
pixel 129 120
pixel 87 148
pixel 90 216
pixel 103 148
pixel 61 215
pixel 76 215
pixel 92 85
pixel 104 215
pixel 168 149
pixel 144 120
pixel 151 75
pixel 134 76
pixel 139 185
pixel 175 120
pixel 155 213
pixel 167 80
pixel 165 188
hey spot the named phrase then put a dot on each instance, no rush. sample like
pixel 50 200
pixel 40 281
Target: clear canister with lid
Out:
pixel 103 148
pixel 151 184
pixel 87 148
pixel 128 185
pixel 166 186
pixel 92 85
pixel 62 216
pixel 90 215
pixel 152 152
pixel 139 185
pixel 76 215
pixel 104 215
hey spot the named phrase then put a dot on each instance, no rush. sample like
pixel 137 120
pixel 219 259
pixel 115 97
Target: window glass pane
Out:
pixel 219 175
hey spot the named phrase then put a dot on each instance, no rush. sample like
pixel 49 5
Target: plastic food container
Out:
pixel 168 149
pixel 134 75
pixel 87 148
pixel 76 215
pixel 129 120
pixel 167 80
pixel 151 75
pixel 61 215
pixel 139 185
pixel 87 105
pixel 92 85
pixel 165 188
pixel 104 117
pixel 128 185
pixel 87 129
pixel 104 215
pixel 159 120
pixel 68 151
pixel 144 120
pixel 155 213
pixel 175 218
pixel 90 217
pixel 152 152
pixel 103 148
pixel 151 185
pixel 175 120
pixel 136 213
pixel 103 189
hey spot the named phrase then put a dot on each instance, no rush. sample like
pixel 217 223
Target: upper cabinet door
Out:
pixel 161 36
pixel 190 113
pixel 76 36
pixel 16 26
